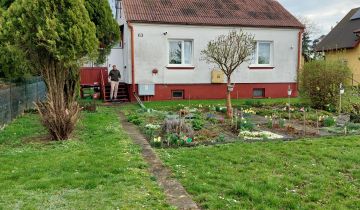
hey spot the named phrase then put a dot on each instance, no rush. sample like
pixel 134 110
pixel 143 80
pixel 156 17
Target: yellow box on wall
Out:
pixel 217 76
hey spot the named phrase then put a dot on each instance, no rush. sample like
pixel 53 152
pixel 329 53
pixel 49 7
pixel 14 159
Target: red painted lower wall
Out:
pixel 218 91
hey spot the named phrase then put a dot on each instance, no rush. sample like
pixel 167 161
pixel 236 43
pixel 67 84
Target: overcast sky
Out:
pixel 324 13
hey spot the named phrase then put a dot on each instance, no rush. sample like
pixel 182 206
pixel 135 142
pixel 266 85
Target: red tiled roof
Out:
pixel 252 13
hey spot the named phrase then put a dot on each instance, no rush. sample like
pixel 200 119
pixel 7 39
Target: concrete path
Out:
pixel 175 193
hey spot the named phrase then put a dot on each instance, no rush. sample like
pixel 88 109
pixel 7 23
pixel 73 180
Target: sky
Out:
pixel 323 13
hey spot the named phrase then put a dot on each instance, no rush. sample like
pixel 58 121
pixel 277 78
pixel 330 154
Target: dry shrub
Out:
pixel 59 112
pixel 178 126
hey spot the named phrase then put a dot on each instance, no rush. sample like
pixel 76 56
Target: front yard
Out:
pixel 100 168
pixel 305 174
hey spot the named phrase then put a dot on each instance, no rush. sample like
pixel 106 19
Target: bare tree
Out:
pixel 228 52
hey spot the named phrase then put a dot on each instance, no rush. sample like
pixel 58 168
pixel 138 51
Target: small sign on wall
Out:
pixel 217 76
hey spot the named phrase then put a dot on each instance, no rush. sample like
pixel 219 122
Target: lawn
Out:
pixel 98 169
pixel 161 105
pixel 305 174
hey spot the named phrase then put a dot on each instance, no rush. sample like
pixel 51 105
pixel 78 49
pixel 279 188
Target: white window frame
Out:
pixel 255 60
pixel 182 53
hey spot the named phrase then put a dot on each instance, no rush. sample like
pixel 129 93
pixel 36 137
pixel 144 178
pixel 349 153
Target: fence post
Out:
pixel 37 92
pixel 10 102
pixel 25 97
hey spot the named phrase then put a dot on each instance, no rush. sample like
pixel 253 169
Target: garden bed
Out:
pixel 203 124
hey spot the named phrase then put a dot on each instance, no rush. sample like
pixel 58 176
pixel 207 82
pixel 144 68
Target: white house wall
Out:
pixel 151 52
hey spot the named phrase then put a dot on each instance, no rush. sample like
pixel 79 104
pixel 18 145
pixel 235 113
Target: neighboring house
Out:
pixel 342 43
pixel 160 51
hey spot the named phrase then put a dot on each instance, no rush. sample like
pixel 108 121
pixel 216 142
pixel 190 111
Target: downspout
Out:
pixel 132 57
pixel 299 49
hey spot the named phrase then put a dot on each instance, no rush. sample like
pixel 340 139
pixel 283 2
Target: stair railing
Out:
pixel 102 84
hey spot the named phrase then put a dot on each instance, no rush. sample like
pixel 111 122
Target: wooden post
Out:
pixel 304 122
pixel 236 120
pixel 317 123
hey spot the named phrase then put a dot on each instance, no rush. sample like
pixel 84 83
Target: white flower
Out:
pixel 152 126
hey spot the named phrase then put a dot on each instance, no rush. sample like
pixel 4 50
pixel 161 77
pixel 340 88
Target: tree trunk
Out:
pixel 228 99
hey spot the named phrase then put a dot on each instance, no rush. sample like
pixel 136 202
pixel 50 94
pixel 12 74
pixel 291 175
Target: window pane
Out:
pixel 264 53
pixel 259 92
pixel 177 94
pixel 175 52
pixel 187 52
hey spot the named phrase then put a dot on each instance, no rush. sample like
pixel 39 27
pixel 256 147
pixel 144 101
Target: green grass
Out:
pixel 307 174
pixel 170 105
pixel 98 169
pixel 235 102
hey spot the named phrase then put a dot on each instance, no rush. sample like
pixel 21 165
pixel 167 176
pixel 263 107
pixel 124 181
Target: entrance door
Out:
pixel 116 58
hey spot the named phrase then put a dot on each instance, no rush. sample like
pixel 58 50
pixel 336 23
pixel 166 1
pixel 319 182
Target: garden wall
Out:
pixel 18 97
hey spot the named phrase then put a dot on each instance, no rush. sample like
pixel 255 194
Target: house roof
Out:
pixel 343 36
pixel 251 13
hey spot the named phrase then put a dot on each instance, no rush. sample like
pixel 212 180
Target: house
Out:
pixel 342 43
pixel 160 51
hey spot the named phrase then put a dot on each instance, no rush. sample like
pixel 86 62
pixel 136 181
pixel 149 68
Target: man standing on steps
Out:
pixel 114 78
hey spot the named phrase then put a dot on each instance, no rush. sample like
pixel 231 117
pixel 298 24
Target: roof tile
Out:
pixel 252 13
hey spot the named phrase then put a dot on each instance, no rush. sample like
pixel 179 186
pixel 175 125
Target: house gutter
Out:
pixel 131 27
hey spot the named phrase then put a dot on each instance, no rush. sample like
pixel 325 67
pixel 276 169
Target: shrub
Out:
pixel 178 127
pixel 221 109
pixel 135 119
pixel 282 123
pixel 245 124
pixel 329 121
pixel 353 126
pixel 319 81
pixel 220 138
pixel 197 124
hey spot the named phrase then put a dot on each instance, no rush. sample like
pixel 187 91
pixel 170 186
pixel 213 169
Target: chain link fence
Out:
pixel 15 98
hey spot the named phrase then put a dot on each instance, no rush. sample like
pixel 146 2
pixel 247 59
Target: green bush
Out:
pixel 329 121
pixel 245 124
pixel 320 80
pixel 135 119
pixel 353 126
pixel 282 123
pixel 197 124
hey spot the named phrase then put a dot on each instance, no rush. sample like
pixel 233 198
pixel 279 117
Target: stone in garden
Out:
pixel 342 119
pixel 172 117
pixel 190 116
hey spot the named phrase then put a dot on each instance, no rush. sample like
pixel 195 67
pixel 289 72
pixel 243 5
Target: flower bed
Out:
pixel 192 125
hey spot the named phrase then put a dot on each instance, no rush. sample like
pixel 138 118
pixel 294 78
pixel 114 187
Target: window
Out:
pixel 263 53
pixel 180 52
pixel 118 9
pixel 177 94
pixel 259 92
